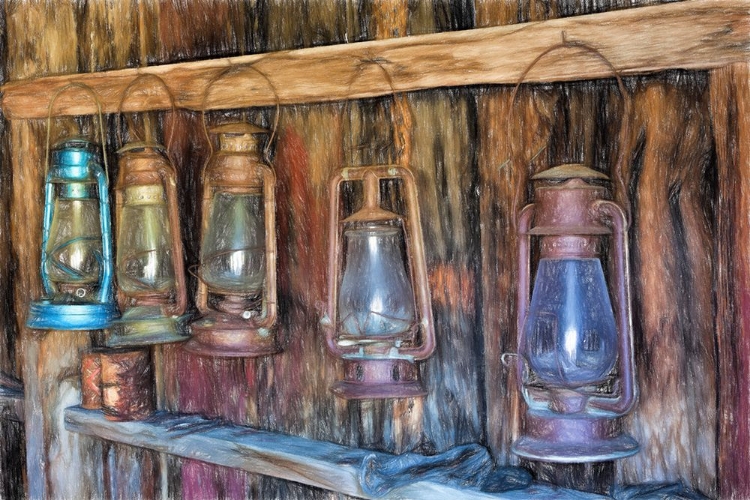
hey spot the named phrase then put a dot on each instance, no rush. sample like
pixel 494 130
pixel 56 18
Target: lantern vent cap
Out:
pixel 141 145
pixel 238 128
pixel 569 171
pixel 76 142
pixel 374 216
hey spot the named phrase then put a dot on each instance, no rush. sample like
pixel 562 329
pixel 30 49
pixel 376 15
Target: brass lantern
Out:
pixel 237 273
pixel 379 314
pixel 149 262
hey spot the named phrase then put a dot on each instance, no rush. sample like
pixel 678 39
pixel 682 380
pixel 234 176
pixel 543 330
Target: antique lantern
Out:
pixel 76 264
pixel 237 290
pixel 379 314
pixel 149 262
pixel 576 369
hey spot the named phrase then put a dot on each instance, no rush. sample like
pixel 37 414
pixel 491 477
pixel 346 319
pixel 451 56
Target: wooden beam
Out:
pixel 315 463
pixel 699 34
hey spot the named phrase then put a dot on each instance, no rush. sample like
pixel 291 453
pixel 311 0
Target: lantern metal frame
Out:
pixel 76 164
pixel 156 318
pixel 375 369
pixel 576 424
pixel 570 427
pixel 237 332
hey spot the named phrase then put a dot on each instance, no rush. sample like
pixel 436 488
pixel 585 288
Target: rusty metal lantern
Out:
pixel 236 294
pixel 237 290
pixel 379 315
pixel 576 367
pixel 150 270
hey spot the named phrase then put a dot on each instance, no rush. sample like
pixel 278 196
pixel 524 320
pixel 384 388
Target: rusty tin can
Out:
pixel 91 380
pixel 127 384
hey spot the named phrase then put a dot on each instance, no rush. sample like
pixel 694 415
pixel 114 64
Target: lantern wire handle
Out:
pixel 236 69
pixel 98 103
pixel 401 121
pixel 567 44
pixel 130 87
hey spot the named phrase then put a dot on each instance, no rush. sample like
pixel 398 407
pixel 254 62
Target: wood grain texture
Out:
pixel 108 37
pixel 443 157
pixel 513 142
pixel 472 180
pixel 673 246
pixel 8 363
pixel 697 34
pixel 12 437
pixel 729 113
pixel 443 161
pixel 214 387
pixel 293 387
pixel 12 443
pixel 50 361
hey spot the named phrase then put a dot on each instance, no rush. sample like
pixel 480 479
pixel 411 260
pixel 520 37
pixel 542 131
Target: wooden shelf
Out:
pixel 11 403
pixel 696 34
pixel 314 463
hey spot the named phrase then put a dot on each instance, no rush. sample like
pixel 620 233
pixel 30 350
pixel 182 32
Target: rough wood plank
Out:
pixel 50 360
pixel 513 142
pixel 669 152
pixel 293 387
pixel 215 387
pixel 315 463
pixel 730 111
pixel 443 162
pixel 696 34
pixel 8 360
pixel 107 40
pixel 11 404
pixel 12 438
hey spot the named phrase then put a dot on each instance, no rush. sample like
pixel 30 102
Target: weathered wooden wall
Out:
pixel 730 85
pixel 472 152
pixel 12 449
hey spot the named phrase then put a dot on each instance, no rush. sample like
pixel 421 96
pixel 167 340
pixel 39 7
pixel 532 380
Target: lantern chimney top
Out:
pixel 238 137
pixel 569 171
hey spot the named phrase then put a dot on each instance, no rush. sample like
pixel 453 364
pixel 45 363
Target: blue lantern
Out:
pixel 76 264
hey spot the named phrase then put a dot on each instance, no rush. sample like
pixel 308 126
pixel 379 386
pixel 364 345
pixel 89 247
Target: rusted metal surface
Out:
pixel 231 325
pixel 127 384
pixel 378 367
pixel 568 422
pixel 91 380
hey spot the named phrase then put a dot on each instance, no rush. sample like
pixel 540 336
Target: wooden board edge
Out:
pixel 695 34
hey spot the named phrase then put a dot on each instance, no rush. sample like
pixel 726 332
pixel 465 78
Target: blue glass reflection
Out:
pixel 570 328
